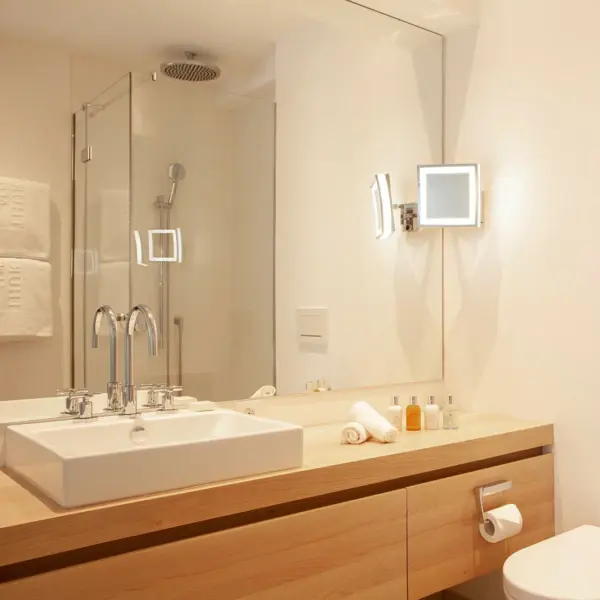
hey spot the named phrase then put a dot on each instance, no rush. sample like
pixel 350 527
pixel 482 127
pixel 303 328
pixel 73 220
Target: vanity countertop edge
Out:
pixel 32 529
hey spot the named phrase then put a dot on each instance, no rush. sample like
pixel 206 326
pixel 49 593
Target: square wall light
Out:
pixel 449 195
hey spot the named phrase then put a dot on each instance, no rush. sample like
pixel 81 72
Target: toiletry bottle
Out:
pixel 432 415
pixel 323 385
pixel 413 415
pixel 395 413
pixel 449 415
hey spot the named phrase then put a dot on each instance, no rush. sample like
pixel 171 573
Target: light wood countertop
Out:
pixel 32 527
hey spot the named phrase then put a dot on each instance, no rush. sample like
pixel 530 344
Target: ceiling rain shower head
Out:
pixel 191 69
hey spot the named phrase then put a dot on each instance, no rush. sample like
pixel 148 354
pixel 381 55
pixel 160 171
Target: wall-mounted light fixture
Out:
pixel 383 207
pixel 381 191
pixel 449 195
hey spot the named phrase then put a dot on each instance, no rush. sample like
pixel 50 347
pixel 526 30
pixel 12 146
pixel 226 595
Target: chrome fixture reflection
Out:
pixel 130 392
pixel 450 195
pixel 176 173
pixel 78 403
pixel 114 388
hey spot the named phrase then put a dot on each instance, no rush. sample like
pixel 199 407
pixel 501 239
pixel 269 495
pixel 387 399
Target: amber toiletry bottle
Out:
pixel 413 415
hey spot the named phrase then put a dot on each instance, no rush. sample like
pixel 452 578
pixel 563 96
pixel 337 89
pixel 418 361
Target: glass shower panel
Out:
pixel 107 219
pixel 150 182
pixel 203 174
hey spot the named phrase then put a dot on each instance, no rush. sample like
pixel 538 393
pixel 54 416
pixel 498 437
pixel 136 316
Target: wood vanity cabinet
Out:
pixel 399 545
pixel 444 544
pixel 354 550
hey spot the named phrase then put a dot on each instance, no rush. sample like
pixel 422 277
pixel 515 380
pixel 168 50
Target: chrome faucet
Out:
pixel 130 392
pixel 78 403
pixel 114 389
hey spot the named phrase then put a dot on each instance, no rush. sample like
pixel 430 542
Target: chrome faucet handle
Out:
pixel 85 407
pixel 168 402
pixel 153 390
pixel 72 396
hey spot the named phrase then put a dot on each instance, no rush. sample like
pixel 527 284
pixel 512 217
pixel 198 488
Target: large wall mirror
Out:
pixel 223 159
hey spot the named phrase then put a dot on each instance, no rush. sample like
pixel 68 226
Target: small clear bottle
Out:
pixel 450 416
pixel 413 415
pixel 432 415
pixel 395 413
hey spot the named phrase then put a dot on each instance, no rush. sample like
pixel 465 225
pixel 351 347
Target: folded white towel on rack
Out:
pixel 355 433
pixel 113 286
pixel 114 226
pixel 377 425
pixel 25 299
pixel 24 219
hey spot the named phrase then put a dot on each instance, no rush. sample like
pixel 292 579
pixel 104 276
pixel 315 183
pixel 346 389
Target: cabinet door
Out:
pixel 353 551
pixel 444 544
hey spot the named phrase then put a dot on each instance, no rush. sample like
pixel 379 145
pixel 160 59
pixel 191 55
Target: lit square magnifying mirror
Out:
pixel 449 196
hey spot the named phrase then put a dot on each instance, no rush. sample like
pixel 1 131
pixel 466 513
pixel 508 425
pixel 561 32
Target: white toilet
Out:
pixel 566 567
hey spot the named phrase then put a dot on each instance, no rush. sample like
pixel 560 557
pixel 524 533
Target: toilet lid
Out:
pixel 566 567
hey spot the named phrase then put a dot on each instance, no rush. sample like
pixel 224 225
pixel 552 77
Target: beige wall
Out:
pixel 522 294
pixel 522 305
pixel 350 105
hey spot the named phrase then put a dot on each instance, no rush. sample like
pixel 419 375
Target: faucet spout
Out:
pixel 109 313
pixel 114 389
pixel 130 399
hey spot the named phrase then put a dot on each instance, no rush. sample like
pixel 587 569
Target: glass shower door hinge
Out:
pixel 86 154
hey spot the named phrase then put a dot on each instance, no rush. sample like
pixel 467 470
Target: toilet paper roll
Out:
pixel 501 523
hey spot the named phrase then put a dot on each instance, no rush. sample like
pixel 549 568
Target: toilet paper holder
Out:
pixel 489 490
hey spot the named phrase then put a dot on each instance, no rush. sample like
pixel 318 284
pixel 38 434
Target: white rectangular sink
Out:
pixel 79 463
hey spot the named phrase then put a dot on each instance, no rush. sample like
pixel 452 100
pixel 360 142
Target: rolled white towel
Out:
pixel 355 434
pixel 377 425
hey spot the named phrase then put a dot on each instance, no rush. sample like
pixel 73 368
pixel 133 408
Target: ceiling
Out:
pixel 441 16
pixel 136 29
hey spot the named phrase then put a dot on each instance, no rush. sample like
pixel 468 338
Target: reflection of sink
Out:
pixel 78 463
pixel 35 410
pixel 13 412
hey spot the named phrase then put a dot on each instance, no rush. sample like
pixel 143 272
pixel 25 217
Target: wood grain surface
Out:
pixel 355 550
pixel 445 547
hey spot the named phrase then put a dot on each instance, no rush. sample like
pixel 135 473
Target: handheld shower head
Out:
pixel 176 171
pixel 176 174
